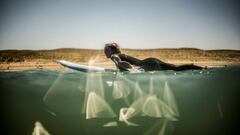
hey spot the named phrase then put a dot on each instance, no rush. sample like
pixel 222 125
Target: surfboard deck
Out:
pixel 84 68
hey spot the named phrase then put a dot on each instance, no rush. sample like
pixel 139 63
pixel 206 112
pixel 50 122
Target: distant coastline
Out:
pixel 12 60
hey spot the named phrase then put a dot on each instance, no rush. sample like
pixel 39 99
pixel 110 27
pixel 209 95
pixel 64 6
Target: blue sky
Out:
pixel 48 24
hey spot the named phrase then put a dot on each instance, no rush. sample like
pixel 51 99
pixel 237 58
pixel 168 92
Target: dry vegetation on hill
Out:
pixel 175 56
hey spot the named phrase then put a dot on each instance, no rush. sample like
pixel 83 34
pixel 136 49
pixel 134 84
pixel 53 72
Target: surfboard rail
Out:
pixel 84 68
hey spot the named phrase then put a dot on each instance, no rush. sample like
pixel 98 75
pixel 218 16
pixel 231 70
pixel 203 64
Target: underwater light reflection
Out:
pixel 149 96
pixel 39 129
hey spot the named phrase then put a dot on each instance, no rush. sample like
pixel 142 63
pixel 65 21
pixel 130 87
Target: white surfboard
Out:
pixel 84 68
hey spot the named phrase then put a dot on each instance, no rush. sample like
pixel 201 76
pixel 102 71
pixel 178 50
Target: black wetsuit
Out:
pixel 149 64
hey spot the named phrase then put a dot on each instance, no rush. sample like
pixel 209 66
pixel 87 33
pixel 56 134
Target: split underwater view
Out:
pixel 120 67
pixel 193 102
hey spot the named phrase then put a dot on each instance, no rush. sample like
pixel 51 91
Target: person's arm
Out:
pixel 120 63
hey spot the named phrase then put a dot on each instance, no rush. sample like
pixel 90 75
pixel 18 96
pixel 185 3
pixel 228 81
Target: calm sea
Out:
pixel 202 102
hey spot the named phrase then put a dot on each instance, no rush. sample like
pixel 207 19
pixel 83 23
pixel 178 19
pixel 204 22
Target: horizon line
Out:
pixel 134 49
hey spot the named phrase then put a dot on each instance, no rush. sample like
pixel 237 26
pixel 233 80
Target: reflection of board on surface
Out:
pixel 84 68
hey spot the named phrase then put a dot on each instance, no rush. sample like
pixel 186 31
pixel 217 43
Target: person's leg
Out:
pixel 187 67
pixel 153 64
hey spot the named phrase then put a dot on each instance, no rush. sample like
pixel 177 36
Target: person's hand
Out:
pixel 136 69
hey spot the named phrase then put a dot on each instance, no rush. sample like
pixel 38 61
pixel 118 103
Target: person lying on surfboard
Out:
pixel 127 63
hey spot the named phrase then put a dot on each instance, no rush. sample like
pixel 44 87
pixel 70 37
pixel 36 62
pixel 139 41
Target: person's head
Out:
pixel 111 48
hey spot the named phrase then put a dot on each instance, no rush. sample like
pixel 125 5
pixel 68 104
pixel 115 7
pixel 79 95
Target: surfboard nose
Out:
pixel 62 62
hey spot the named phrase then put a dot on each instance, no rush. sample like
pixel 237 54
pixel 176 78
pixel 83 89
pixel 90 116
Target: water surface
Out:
pixel 152 103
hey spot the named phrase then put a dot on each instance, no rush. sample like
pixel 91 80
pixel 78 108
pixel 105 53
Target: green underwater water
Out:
pixel 151 103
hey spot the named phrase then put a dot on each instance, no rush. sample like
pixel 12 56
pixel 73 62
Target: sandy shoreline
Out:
pixel 18 60
pixel 20 66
